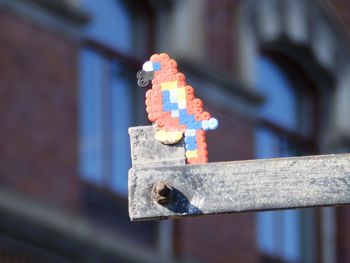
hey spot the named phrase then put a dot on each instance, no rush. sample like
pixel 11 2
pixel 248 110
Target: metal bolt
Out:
pixel 162 192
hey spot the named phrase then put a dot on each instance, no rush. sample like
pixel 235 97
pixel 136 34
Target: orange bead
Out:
pixel 152 117
pixel 157 89
pixel 155 58
pixel 160 122
pixel 191 160
pixel 149 93
pixel 202 151
pixel 180 76
pixel 200 139
pixel 190 110
pixel 189 96
pixel 198 110
pixel 202 148
pixel 172 63
pixel 173 71
pixel 201 142
pixel 197 102
pixel 182 128
pixel 148 102
pixel 164 57
pixel 181 83
pixel 205 115
pixel 155 81
pixel 203 159
pixel 197 116
pixel 156 95
pixel 189 89
pixel 200 133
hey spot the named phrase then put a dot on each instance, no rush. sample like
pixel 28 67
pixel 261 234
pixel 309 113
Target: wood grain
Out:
pixel 241 186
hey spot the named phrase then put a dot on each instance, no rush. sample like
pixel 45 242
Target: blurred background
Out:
pixel 276 73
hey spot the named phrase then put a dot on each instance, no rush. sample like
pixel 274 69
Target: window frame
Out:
pixel 98 200
pixel 308 143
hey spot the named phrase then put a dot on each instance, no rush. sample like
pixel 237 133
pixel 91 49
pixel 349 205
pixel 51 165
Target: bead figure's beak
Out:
pixel 144 77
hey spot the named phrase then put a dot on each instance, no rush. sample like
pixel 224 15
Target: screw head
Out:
pixel 162 192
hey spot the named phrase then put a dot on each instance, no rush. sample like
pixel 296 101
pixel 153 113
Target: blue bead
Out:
pixel 166 93
pixel 166 108
pixel 167 105
pixel 190 139
pixel 194 125
pixel 166 102
pixel 187 119
pixel 183 112
pixel 191 125
pixel 156 66
pixel 173 106
pixel 191 146
pixel 198 125
pixel 182 120
pixel 190 118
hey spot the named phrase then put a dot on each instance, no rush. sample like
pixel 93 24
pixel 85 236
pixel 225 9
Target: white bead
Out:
pixel 213 123
pixel 190 132
pixel 147 66
pixel 205 125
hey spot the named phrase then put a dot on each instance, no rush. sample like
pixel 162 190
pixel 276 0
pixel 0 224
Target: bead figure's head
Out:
pixel 158 69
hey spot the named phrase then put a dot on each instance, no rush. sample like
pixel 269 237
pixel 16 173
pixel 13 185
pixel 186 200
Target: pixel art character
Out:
pixel 173 108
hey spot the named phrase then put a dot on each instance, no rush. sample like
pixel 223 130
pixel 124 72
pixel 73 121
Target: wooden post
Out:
pixel 230 187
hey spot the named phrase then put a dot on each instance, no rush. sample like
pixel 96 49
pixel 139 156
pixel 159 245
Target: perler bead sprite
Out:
pixel 172 106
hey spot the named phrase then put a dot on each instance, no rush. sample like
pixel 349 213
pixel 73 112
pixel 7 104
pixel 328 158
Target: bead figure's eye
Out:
pixel 156 66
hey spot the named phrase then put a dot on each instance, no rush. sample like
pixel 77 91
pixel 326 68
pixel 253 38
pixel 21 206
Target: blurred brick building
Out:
pixel 274 72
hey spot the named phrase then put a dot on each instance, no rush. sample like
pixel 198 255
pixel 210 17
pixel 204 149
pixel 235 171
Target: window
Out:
pixel 108 92
pixel 286 128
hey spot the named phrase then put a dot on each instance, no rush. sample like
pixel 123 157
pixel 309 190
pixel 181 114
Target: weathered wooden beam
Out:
pixel 161 185
pixel 229 187
pixel 146 151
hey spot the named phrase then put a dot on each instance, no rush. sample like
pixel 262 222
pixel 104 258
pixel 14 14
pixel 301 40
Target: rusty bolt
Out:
pixel 162 192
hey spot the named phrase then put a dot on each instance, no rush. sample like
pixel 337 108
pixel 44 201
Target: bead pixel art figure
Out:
pixel 173 108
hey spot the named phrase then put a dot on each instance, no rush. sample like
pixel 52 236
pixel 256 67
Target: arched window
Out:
pixel 286 128
pixel 108 94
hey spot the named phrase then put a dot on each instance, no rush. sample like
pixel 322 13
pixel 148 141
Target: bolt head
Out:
pixel 162 192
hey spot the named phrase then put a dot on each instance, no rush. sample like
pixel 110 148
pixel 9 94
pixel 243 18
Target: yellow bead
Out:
pixel 181 94
pixel 191 154
pixel 169 85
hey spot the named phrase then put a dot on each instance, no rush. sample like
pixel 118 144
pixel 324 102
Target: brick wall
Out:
pixel 222 238
pixel 38 116
pixel 221 38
